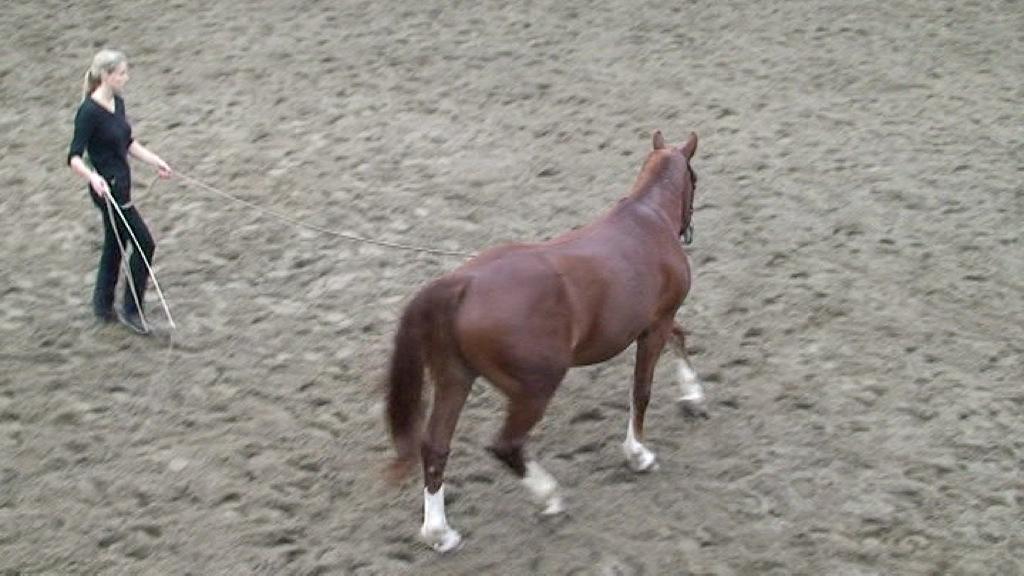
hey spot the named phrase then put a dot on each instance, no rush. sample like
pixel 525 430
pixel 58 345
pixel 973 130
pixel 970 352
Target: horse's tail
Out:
pixel 425 338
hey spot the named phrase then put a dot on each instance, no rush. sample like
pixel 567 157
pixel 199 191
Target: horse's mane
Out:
pixel 653 170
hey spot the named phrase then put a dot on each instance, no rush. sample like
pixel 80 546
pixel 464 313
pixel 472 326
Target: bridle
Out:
pixel 686 231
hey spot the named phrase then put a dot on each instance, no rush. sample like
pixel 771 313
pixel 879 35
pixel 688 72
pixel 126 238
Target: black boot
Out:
pixel 103 302
pixel 104 316
pixel 131 318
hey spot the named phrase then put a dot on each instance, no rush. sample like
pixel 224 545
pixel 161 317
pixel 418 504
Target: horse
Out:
pixel 521 315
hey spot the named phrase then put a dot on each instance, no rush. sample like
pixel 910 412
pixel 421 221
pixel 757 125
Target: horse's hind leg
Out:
pixel 692 396
pixel 523 414
pixel 648 349
pixel 450 394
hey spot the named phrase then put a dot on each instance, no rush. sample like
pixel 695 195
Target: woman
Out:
pixel 103 131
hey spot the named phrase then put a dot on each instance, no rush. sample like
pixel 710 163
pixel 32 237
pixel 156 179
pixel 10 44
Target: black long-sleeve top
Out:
pixel 106 136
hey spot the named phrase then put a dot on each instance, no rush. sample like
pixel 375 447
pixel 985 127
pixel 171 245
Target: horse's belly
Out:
pixel 596 352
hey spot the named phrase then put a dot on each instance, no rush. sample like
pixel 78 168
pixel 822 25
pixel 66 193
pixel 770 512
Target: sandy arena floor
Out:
pixel 857 308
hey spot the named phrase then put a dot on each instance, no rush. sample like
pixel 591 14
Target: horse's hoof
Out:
pixel 694 408
pixel 645 466
pixel 443 540
pixel 554 506
pixel 643 461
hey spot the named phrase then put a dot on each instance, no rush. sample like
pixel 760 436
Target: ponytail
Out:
pixel 90 83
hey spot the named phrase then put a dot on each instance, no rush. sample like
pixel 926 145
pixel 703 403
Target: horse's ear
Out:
pixel 659 140
pixel 690 148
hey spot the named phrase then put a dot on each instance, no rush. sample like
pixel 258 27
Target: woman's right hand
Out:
pixel 99 185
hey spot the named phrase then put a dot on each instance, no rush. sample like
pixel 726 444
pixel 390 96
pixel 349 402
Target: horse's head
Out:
pixel 682 177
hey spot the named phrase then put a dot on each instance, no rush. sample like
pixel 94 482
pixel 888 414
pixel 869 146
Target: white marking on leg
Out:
pixel 436 531
pixel 638 457
pixel 543 487
pixel 692 389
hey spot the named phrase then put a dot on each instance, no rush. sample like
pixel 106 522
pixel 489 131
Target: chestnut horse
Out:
pixel 521 315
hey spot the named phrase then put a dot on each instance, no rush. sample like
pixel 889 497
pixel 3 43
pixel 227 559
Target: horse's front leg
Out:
pixel 692 391
pixel 648 349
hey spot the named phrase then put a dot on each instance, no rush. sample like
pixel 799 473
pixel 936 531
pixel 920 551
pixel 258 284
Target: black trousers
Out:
pixel 110 259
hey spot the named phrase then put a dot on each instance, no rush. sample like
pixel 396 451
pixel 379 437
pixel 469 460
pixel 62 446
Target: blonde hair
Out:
pixel 105 60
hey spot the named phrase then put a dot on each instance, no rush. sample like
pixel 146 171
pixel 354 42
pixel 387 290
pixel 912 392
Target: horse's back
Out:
pixel 579 299
pixel 520 283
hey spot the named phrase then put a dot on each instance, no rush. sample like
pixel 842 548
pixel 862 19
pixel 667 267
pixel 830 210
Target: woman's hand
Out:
pixel 162 168
pixel 139 151
pixel 99 185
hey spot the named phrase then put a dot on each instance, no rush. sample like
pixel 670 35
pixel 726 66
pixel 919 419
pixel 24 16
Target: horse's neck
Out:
pixel 656 195
pixel 654 188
